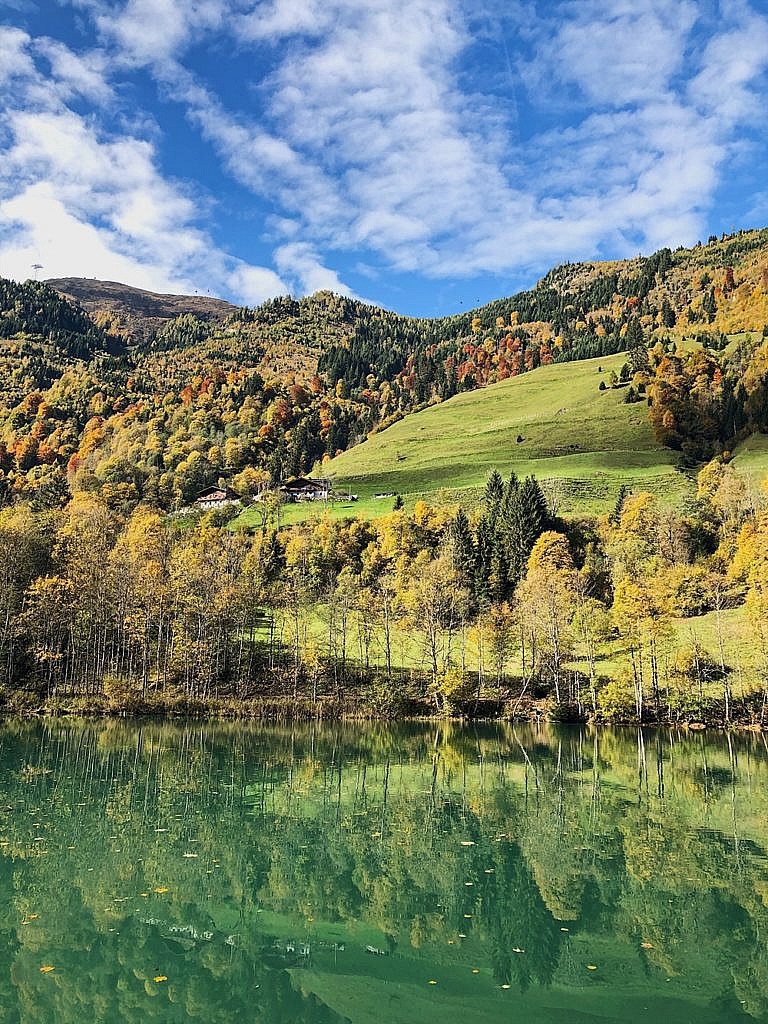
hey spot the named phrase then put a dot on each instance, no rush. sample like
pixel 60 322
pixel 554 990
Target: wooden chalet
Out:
pixel 306 489
pixel 216 497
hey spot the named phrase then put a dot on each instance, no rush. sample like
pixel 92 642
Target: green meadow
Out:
pixel 554 423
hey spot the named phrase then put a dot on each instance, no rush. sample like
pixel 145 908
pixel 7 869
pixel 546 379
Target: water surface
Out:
pixel 406 874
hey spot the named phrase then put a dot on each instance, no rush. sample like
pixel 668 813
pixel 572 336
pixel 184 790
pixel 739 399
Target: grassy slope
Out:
pixel 589 440
pixel 582 443
pixel 742 652
pixel 752 458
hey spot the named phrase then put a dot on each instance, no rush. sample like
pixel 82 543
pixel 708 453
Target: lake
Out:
pixel 409 873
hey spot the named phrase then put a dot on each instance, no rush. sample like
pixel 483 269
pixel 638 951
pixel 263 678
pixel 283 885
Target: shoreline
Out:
pixel 329 710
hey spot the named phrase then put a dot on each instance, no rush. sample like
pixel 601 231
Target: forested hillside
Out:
pixel 137 405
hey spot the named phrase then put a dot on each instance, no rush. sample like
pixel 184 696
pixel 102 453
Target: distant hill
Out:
pixel 134 312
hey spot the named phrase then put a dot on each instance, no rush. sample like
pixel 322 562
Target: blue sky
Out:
pixel 428 155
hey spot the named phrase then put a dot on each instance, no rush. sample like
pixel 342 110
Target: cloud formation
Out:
pixel 82 201
pixel 429 137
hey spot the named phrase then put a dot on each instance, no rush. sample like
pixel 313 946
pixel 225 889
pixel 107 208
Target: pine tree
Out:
pixel 636 348
pixel 463 545
pixel 494 488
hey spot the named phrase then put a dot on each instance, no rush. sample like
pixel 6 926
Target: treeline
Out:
pixel 34 308
pixel 431 608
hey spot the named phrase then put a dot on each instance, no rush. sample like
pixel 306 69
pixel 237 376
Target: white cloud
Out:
pixel 619 53
pixel 37 227
pixel 253 285
pixel 15 61
pixel 84 202
pixel 150 31
pixel 300 263
pixel 372 145
pixel 76 75
pixel 359 129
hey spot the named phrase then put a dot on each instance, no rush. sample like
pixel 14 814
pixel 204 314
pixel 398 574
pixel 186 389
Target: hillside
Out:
pixel 145 396
pixel 582 443
pixel 133 312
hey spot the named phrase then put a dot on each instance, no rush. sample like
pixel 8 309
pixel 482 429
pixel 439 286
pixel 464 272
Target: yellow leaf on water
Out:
pixel 46 969
pixel 646 945
pixel 475 970
pixel 161 977
pixel 432 981
pixel 591 967
pixel 161 888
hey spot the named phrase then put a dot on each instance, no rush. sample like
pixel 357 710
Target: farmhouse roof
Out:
pixel 302 482
pixel 210 492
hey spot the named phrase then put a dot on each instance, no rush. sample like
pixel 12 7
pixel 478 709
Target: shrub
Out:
pixel 616 700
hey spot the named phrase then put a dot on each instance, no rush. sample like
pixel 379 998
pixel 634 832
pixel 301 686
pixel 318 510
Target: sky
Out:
pixel 426 155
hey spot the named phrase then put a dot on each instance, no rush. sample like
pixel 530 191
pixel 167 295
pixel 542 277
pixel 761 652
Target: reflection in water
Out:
pixel 323 874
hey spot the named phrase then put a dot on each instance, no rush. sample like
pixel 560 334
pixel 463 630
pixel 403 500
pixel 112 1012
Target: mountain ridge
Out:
pixel 138 313
pixel 145 396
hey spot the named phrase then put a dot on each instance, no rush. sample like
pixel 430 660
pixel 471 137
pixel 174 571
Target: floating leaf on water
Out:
pixel 646 945
pixel 565 929
pixel 160 977
pixel 46 969
pixel 143 894
pixel 468 916
pixel 432 981
pixel 161 888
pixel 475 970
pixel 591 967
pixel 467 842
pixel 189 855
pixel 469 883
pixel 516 949
pixel 505 986
pixel 462 935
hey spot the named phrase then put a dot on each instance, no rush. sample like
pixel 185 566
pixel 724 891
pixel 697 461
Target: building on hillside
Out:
pixel 216 497
pixel 306 489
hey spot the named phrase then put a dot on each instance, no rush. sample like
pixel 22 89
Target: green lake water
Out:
pixel 298 875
